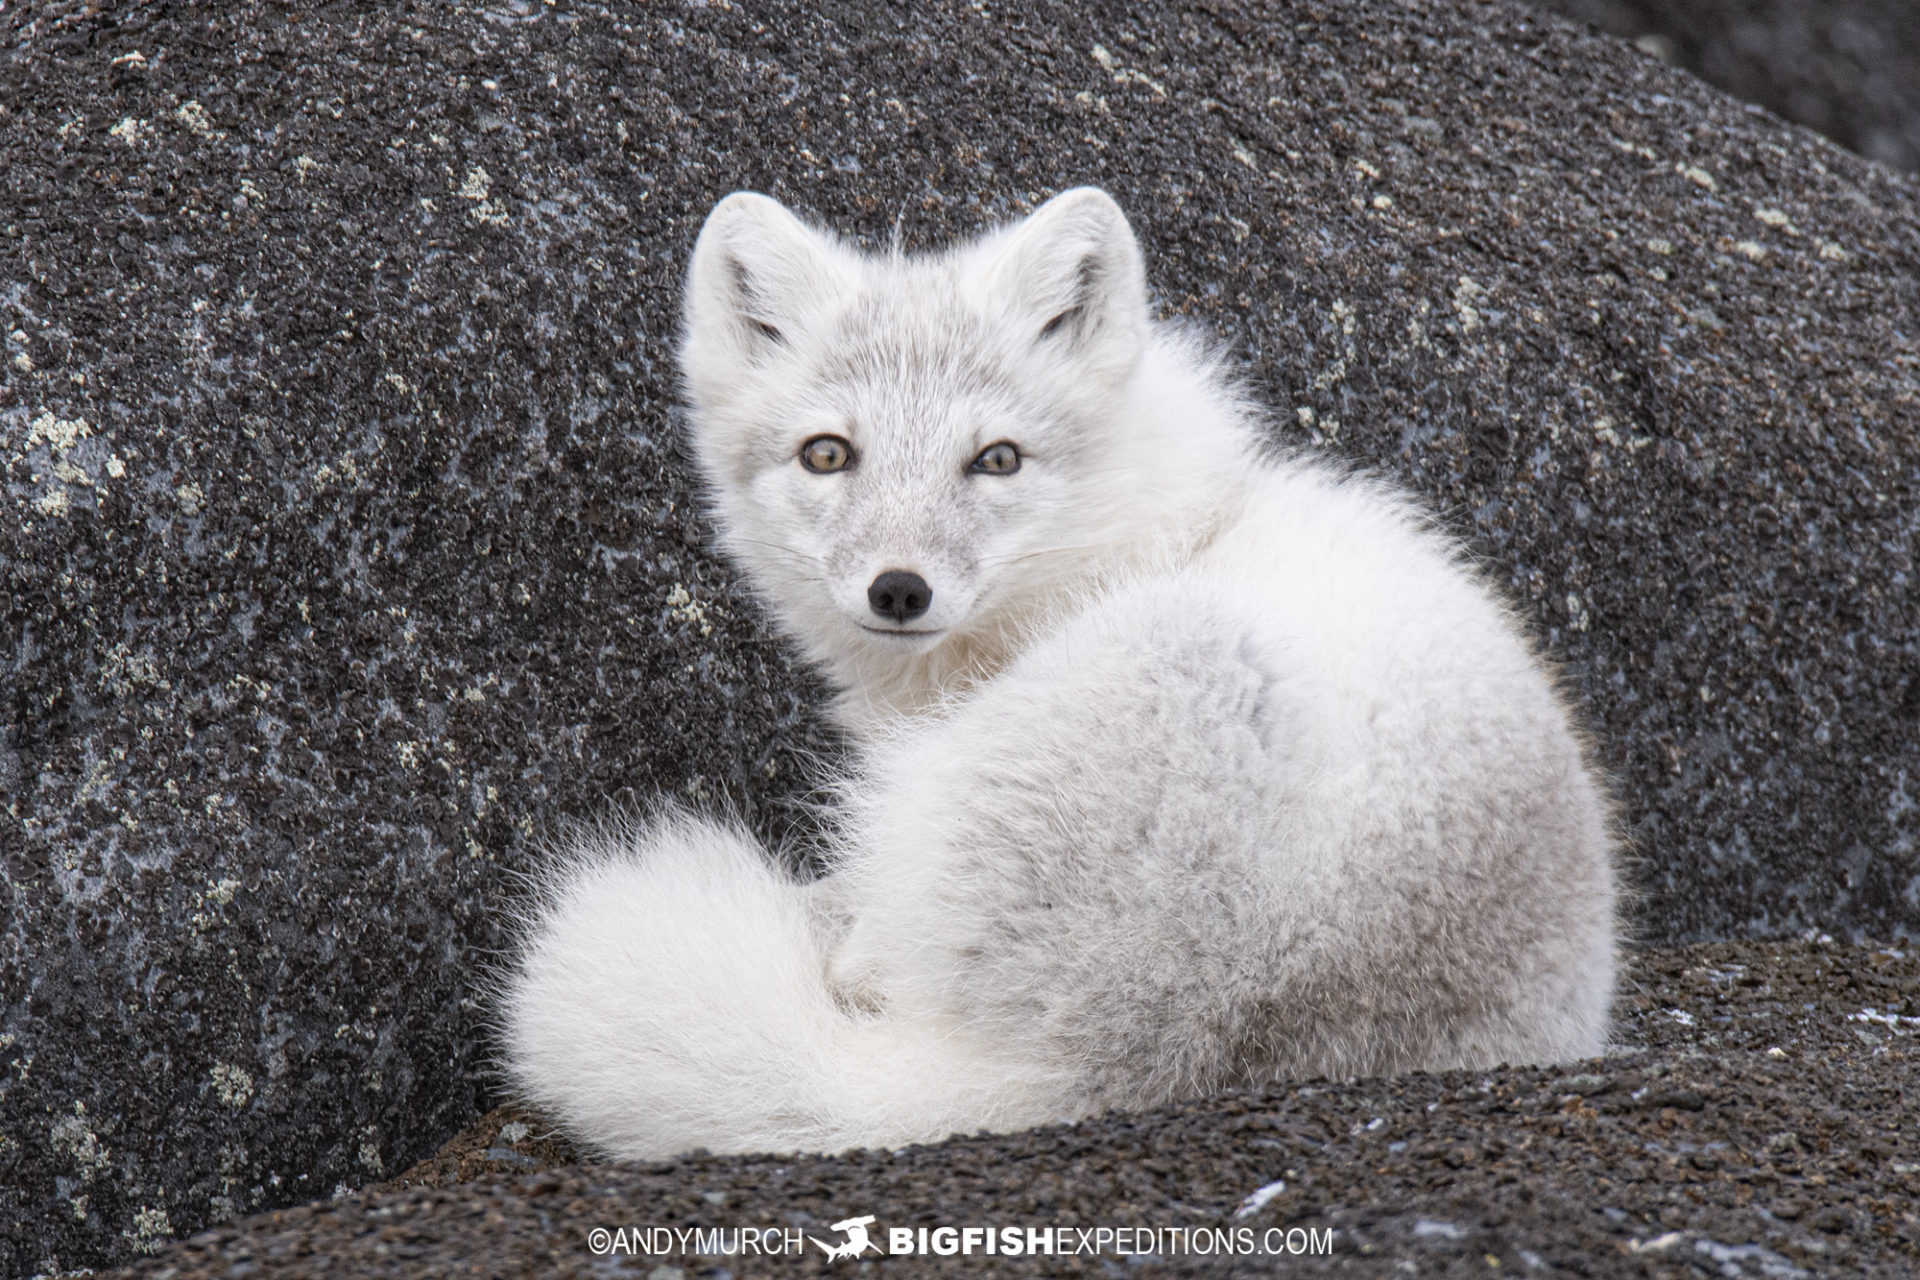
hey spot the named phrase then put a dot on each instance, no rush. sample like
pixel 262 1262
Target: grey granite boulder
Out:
pixel 347 549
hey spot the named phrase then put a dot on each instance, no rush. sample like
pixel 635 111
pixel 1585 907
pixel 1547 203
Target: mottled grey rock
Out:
pixel 347 546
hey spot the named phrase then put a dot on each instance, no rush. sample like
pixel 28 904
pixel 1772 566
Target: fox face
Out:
pixel 905 454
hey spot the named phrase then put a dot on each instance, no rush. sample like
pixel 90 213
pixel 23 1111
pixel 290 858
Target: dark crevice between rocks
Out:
pixel 1848 69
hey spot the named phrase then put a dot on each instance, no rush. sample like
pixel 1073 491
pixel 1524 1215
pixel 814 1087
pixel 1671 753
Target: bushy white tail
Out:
pixel 672 994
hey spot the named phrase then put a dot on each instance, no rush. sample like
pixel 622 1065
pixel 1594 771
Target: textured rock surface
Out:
pixel 346 551
pixel 1759 1126
pixel 346 545
pixel 1849 68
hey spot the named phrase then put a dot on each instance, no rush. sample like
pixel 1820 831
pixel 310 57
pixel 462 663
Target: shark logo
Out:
pixel 857 1242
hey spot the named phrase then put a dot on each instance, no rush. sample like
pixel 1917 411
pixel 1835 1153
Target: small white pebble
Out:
pixel 1695 174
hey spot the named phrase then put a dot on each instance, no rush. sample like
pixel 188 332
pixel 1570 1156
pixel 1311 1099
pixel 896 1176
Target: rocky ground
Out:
pixel 1756 1121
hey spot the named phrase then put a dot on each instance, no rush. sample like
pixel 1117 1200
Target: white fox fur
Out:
pixel 1201 768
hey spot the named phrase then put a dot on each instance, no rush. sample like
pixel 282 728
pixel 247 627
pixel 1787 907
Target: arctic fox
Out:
pixel 1182 766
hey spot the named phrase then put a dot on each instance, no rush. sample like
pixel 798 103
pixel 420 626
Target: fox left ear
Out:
pixel 758 277
pixel 1072 270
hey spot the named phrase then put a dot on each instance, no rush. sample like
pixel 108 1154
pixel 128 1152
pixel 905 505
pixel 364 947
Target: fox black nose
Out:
pixel 899 595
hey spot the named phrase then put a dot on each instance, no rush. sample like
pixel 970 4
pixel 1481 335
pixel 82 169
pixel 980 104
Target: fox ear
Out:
pixel 1073 271
pixel 758 274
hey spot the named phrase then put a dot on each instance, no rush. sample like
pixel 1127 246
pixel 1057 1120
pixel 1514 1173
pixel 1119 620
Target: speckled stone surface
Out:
pixel 346 548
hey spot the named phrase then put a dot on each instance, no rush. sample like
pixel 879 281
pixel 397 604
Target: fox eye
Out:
pixel 1002 459
pixel 826 453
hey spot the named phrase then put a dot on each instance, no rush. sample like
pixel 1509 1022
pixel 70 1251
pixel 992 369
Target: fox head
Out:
pixel 909 456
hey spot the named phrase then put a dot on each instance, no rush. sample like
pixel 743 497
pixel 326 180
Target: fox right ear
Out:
pixel 1072 271
pixel 757 276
